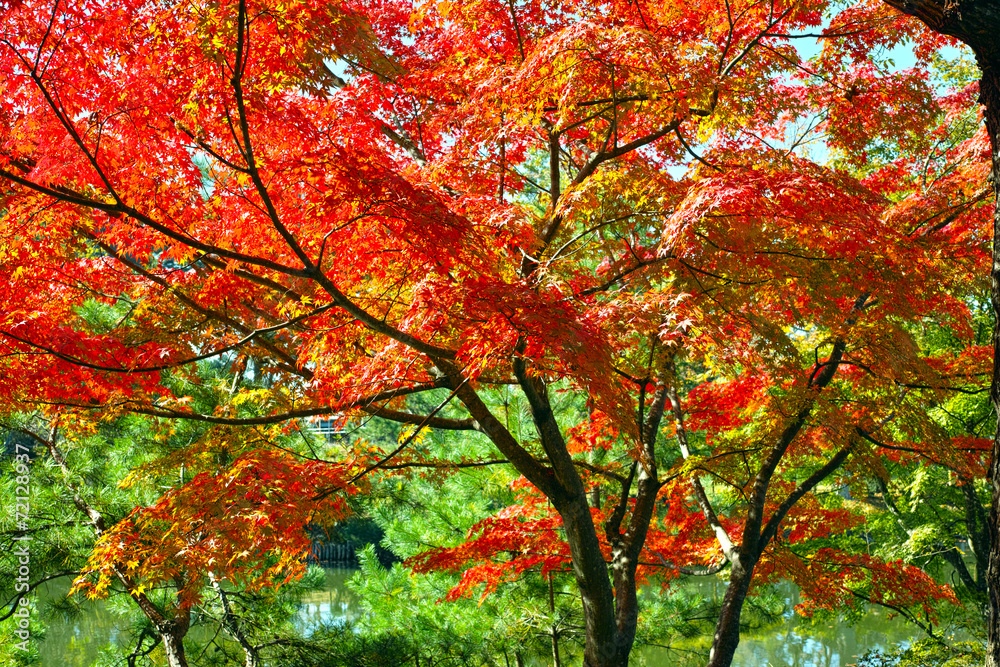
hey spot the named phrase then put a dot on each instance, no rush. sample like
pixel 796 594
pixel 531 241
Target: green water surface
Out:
pixel 76 641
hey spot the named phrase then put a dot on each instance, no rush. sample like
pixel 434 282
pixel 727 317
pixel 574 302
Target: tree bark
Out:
pixel 977 528
pixel 973 22
pixel 758 532
pixel 727 630
pixel 989 95
pixel 173 645
pixel 232 624
pixel 561 484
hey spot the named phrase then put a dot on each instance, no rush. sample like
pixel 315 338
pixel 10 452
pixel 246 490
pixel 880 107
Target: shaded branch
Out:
pixel 721 535
pixel 428 421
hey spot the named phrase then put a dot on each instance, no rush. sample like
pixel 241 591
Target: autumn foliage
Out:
pixel 248 523
pixel 349 206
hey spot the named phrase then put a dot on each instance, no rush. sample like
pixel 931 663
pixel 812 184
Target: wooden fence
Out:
pixel 340 554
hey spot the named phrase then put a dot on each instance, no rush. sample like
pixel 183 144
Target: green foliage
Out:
pixel 342 646
pixel 928 653
pixel 16 651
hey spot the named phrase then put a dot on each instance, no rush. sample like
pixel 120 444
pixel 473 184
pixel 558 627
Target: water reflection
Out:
pixel 77 640
pixel 794 641
pixel 802 642
pixel 335 603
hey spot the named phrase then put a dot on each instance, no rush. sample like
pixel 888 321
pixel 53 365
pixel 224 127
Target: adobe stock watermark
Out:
pixel 22 508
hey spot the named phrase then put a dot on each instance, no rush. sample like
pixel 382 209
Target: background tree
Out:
pixel 973 23
pixel 87 481
pixel 76 496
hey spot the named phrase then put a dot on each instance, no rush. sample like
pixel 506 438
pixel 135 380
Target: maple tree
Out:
pixel 82 500
pixel 366 206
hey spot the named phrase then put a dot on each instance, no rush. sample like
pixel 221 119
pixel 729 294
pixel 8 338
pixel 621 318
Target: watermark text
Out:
pixel 22 579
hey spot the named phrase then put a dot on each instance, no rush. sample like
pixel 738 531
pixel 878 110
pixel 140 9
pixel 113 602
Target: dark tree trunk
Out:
pixel 954 558
pixel 989 89
pixel 977 530
pixel 758 531
pixel 592 580
pixel 727 630
pixel 561 484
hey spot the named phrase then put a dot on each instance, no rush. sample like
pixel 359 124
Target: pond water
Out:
pixel 796 641
pixel 74 640
pixel 793 642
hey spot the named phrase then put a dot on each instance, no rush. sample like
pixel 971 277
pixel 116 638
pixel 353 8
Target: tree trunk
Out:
pixel 727 630
pixel 556 662
pixel 977 530
pixel 954 558
pixel 171 631
pixel 591 571
pixel 627 549
pixel 989 95
pixel 561 484
pixel 232 624
pixel 173 646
